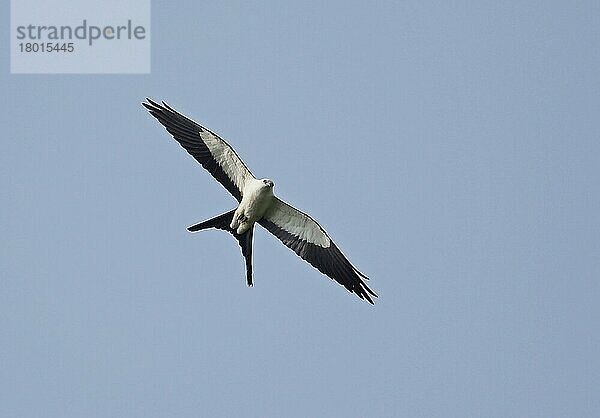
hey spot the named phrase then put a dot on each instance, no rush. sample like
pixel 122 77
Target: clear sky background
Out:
pixel 451 149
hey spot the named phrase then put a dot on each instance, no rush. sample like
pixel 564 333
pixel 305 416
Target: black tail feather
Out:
pixel 245 240
pixel 220 222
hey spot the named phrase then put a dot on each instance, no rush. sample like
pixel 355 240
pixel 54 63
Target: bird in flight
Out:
pixel 257 204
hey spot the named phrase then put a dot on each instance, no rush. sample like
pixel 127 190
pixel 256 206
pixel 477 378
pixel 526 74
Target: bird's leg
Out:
pixel 244 225
pixel 238 218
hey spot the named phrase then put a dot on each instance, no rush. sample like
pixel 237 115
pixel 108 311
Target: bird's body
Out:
pixel 257 198
pixel 257 204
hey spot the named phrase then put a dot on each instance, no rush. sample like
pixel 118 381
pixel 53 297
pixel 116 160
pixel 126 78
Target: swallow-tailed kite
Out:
pixel 257 203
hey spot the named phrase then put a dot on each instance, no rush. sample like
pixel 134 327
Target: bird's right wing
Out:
pixel 306 238
pixel 208 149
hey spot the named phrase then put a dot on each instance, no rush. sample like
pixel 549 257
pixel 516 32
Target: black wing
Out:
pixel 306 238
pixel 208 149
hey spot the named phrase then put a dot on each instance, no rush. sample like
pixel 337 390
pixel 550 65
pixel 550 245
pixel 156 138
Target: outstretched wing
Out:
pixel 208 149
pixel 305 236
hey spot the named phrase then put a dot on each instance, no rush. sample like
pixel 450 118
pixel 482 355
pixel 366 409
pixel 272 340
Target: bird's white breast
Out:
pixel 257 198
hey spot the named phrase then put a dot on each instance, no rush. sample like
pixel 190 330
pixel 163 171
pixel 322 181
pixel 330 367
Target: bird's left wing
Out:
pixel 306 238
pixel 208 149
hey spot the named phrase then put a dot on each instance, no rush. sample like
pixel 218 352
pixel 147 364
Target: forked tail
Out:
pixel 245 240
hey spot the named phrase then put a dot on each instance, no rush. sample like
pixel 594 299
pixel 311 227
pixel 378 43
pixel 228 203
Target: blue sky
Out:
pixel 450 149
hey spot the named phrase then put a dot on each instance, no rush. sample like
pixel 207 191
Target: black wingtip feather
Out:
pixel 152 102
pixel 168 107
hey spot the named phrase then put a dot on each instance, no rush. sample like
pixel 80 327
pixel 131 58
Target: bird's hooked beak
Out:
pixel 270 183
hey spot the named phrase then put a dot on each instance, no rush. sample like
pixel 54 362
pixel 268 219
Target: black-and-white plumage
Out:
pixel 257 204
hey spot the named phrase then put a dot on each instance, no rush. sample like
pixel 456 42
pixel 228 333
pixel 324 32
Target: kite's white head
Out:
pixel 268 183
